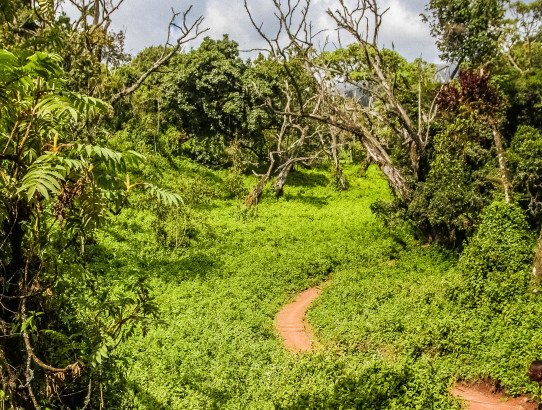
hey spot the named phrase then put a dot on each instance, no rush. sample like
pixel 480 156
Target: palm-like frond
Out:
pixel 37 117
pixel 163 195
pixel 70 106
pixel 42 176
pixel 112 160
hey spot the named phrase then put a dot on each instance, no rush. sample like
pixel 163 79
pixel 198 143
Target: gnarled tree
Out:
pixel 380 76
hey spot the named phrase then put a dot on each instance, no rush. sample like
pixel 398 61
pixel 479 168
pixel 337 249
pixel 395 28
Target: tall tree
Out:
pixel 378 74
pixel 465 30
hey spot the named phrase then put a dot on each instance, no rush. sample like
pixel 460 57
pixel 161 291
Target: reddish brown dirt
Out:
pixel 298 336
pixel 480 396
pixel 296 332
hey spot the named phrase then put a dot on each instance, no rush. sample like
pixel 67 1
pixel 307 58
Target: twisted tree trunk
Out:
pixel 254 197
pixel 383 160
pixel 281 178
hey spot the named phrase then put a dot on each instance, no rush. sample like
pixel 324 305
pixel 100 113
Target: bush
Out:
pixel 495 265
pixel 525 159
pixel 234 185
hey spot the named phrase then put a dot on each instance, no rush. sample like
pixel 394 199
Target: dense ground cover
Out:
pixel 473 320
pixel 410 309
pixel 214 344
pixel 173 307
pixel 391 333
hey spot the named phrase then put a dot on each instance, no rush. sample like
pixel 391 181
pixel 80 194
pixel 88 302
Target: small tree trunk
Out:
pixel 365 164
pixel 381 157
pixel 96 19
pixel 253 198
pixel 537 265
pixel 339 175
pixel 281 178
pixel 502 163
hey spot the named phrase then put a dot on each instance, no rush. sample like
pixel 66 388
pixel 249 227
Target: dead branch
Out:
pixel 74 368
pixel 188 32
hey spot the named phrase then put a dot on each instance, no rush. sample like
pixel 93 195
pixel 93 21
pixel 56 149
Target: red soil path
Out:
pixel 480 396
pixel 298 336
pixel 292 325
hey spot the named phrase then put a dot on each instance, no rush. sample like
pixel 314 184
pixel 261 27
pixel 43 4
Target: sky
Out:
pixel 145 23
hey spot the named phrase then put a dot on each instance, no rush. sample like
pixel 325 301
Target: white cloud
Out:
pixel 146 21
pixel 233 20
pixel 410 36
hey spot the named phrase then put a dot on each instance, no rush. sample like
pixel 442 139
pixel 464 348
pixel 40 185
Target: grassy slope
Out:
pixel 393 336
pixel 215 345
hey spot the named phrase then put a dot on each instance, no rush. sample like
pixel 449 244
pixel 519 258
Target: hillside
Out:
pixel 390 334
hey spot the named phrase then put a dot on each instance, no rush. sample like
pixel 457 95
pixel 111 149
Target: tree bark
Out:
pixel 502 163
pixel 339 175
pixel 281 178
pixel 381 157
pixel 96 12
pixel 537 265
pixel 253 198
pixel 365 164
pixel 375 150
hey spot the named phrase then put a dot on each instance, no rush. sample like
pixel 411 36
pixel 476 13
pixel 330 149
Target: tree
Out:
pixel 204 97
pixel 54 190
pixel 378 74
pixel 523 33
pixel 186 32
pixel 290 149
pixel 477 96
pixel 88 46
pixel 466 31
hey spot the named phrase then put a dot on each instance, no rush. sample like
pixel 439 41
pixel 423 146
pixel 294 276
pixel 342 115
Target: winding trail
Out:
pixel 292 325
pixel 297 335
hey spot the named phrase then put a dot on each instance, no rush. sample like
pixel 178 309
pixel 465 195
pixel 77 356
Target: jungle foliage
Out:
pixel 157 210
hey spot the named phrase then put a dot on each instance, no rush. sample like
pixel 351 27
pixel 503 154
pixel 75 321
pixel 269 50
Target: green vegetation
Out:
pixel 215 344
pixel 427 307
pixel 413 322
pixel 157 212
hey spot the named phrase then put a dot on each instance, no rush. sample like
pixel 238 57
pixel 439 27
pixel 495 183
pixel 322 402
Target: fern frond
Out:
pixel 113 160
pixel 93 206
pixel 43 65
pixel 70 105
pixel 163 195
pixel 43 178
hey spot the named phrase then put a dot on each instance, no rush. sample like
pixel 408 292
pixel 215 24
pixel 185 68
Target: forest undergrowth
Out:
pixel 392 331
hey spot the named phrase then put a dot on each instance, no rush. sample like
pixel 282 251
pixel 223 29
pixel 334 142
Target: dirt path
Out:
pixel 291 324
pixel 298 336
pixel 480 397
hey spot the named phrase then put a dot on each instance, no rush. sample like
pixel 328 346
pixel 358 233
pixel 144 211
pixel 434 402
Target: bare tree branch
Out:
pixel 188 32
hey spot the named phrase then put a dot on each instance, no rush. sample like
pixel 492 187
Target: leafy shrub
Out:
pixel 447 205
pixel 337 179
pixel 495 263
pixel 172 140
pixel 234 185
pixel 525 159
pixel 445 208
